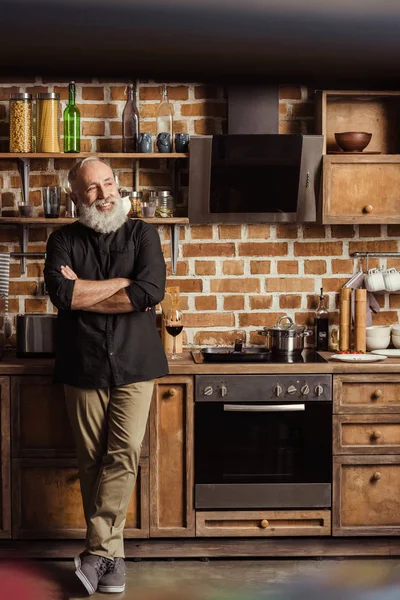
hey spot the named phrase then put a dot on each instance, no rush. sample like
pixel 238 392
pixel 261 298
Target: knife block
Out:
pixel 168 340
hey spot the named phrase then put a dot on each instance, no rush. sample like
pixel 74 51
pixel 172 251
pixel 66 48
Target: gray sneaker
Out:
pixel 90 568
pixel 113 581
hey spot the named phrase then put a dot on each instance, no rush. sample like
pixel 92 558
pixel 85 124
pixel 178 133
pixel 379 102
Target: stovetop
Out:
pixel 306 357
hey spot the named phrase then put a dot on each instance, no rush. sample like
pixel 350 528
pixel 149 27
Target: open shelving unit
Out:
pixel 24 223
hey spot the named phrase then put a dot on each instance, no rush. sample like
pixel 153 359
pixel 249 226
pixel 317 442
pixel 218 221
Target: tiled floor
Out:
pixel 246 580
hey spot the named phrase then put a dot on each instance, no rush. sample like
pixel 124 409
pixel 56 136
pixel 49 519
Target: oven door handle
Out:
pixel 264 407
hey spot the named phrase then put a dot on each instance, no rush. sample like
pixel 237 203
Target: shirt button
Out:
pixel 111 353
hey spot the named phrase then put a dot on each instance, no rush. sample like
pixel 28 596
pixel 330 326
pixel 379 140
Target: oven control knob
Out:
pixel 208 391
pixel 319 390
pixel 223 390
pixel 305 390
pixel 291 390
pixel 278 390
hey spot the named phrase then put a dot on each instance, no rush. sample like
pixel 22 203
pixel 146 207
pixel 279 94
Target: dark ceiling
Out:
pixel 316 42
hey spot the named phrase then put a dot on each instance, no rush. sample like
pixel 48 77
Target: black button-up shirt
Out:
pixel 95 350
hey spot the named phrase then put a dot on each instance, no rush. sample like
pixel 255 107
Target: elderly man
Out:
pixel 105 273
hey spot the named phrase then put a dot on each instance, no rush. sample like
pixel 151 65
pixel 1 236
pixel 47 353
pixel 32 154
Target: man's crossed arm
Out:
pixel 105 297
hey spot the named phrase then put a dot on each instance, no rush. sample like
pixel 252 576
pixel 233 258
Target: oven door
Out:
pixel 263 454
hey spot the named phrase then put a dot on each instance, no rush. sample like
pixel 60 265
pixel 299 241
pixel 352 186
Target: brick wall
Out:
pixel 233 278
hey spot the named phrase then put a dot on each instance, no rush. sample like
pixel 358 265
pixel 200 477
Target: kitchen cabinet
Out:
pixel 47 503
pixel 366 449
pixel 366 495
pixel 46 492
pixel 361 189
pixel 171 458
pixel 265 523
pixel 5 477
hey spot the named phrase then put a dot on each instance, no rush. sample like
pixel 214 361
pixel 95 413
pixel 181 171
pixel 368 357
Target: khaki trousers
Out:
pixel 109 426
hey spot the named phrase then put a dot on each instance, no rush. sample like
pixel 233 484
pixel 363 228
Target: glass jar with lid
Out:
pixel 136 203
pixel 21 116
pixel 48 122
pixel 165 204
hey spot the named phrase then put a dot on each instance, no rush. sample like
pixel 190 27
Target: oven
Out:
pixel 263 441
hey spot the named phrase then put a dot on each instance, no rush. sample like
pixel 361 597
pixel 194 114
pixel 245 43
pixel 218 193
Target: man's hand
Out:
pixel 68 273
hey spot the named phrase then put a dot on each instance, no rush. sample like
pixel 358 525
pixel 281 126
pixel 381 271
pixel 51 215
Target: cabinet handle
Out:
pixel 377 394
pixel 377 475
pixel 172 392
pixel 375 435
pixel 264 523
pixel 368 208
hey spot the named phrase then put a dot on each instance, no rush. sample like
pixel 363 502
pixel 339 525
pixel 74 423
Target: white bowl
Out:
pixel 378 343
pixel 395 330
pixel 378 331
pixel 396 341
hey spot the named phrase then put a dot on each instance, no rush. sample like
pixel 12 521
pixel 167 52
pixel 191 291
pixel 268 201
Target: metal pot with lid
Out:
pixel 284 338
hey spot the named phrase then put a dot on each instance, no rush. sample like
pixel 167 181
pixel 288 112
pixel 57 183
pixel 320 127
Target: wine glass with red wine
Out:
pixel 173 326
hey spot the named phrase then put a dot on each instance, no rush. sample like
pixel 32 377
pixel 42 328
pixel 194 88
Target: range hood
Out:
pixel 254 174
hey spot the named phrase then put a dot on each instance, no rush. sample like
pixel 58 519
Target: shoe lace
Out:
pixel 116 566
pixel 102 565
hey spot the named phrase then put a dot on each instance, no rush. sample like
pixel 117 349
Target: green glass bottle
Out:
pixel 72 123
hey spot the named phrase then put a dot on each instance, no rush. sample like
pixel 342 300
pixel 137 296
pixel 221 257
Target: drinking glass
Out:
pixel 51 202
pixel 173 326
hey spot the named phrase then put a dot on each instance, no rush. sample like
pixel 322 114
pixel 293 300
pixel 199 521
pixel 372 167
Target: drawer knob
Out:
pixel 264 523
pixel 368 208
pixel 377 394
pixel 377 475
pixel 172 392
pixel 376 435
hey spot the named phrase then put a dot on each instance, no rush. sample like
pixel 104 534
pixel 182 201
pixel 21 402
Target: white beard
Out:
pixel 103 222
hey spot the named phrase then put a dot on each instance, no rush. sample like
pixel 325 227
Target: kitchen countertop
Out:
pixel 10 365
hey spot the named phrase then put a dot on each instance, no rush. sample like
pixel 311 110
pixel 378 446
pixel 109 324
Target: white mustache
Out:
pixel 105 201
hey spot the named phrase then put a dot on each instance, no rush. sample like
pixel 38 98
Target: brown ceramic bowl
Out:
pixel 353 141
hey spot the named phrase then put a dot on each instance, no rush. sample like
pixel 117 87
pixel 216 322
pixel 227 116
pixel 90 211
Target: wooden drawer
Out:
pixel 366 394
pixel 361 189
pixel 40 423
pixel 366 498
pixel 263 523
pixel 369 434
pixel 47 500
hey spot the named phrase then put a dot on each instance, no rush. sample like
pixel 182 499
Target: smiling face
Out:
pixel 96 195
pixel 95 183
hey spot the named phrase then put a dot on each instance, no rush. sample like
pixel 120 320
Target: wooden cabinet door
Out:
pixel 171 458
pixel 361 189
pixel 366 394
pixel 366 496
pixel 5 479
pixel 40 424
pixel 47 500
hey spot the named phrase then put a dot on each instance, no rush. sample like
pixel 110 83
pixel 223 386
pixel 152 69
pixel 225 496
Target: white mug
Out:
pixel 374 281
pixel 392 280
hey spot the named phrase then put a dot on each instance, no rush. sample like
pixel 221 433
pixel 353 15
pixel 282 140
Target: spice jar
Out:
pixel 136 202
pixel 165 204
pixel 48 123
pixel 21 123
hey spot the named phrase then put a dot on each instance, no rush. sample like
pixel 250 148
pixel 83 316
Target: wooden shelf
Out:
pixel 65 220
pixel 133 155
